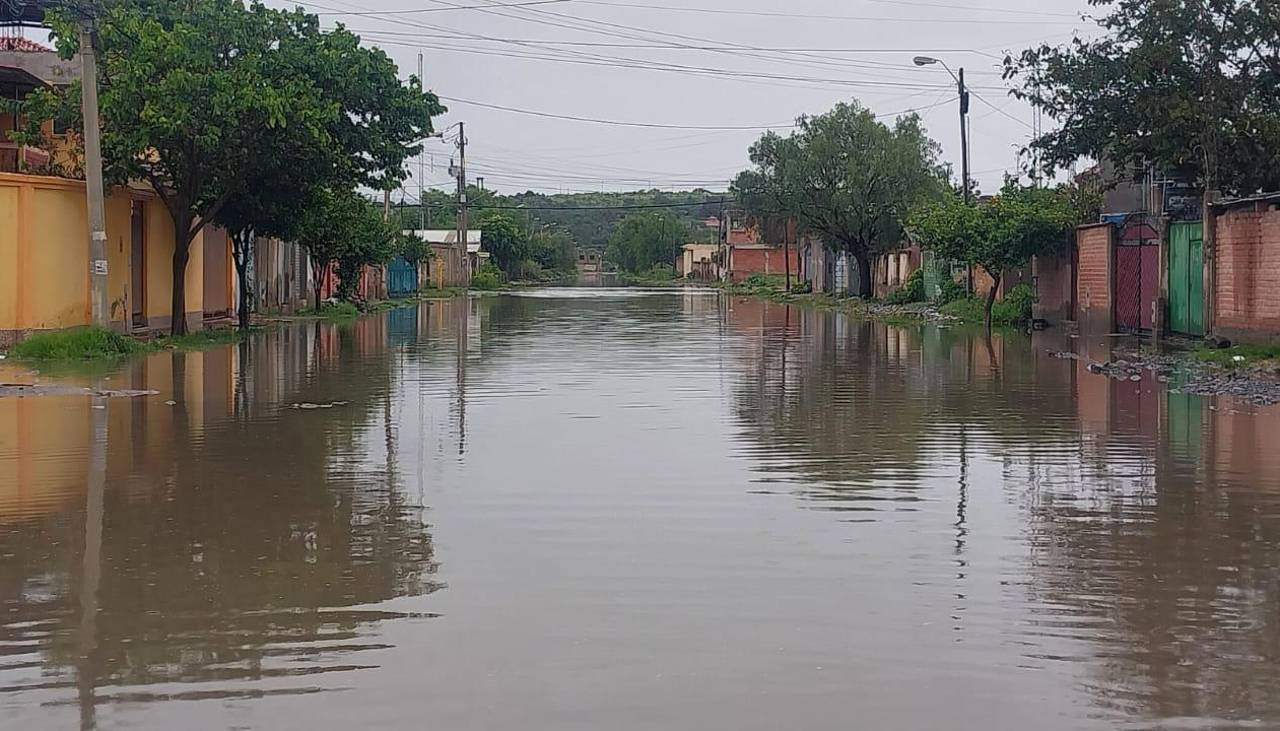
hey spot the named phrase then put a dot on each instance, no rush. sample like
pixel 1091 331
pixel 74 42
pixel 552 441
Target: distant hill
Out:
pixel 591 225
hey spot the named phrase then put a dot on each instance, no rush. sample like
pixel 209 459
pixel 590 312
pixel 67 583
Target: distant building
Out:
pixel 443 269
pixel 698 261
pixel 752 246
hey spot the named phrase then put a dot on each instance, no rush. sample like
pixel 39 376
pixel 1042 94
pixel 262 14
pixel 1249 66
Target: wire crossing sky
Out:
pixel 606 95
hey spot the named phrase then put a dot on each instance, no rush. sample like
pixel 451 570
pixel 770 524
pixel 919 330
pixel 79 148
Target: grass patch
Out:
pixel 1250 355
pixel 332 311
pixel 440 293
pixel 200 340
pixel 81 343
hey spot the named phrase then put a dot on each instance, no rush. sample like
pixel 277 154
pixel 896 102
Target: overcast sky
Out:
pixel 685 64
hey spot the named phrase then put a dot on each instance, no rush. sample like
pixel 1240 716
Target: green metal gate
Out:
pixel 932 279
pixel 1186 278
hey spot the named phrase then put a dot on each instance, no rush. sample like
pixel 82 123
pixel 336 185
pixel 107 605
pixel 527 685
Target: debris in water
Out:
pixel 309 406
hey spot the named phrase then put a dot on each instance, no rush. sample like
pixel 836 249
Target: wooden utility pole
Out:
pixel 101 313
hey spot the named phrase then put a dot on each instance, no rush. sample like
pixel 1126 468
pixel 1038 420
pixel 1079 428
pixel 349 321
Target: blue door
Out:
pixel 402 277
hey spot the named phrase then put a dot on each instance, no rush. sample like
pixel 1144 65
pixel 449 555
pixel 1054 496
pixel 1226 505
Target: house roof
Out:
pixel 23 45
pixel 446 236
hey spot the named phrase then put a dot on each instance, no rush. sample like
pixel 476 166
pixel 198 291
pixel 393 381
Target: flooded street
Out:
pixel 603 509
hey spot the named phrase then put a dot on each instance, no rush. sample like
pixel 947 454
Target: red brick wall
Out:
pixel 1247 284
pixel 1093 277
pixel 745 262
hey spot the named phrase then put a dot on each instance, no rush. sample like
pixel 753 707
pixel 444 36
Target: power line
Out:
pixel 1040 15
pixel 416 11
pixel 615 122
pixel 1001 110
pixel 625 207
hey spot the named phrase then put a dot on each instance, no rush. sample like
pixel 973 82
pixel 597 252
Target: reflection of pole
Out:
pixel 91 573
pixel 461 374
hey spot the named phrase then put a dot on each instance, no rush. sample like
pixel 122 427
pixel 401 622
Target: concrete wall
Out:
pixel 1094 277
pixel 44 257
pixel 1246 301
pixel 1055 287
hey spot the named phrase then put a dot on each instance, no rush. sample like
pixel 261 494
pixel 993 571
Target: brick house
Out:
pixel 755 246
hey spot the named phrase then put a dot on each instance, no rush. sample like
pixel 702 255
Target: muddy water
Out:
pixel 597 510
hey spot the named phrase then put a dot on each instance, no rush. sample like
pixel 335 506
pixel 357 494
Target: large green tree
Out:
pixel 1188 86
pixel 846 177
pixel 999 233
pixel 642 240
pixel 504 238
pixel 373 127
pixel 205 99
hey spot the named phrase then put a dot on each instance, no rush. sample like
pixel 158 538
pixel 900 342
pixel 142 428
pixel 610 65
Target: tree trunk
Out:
pixel 317 283
pixel 864 275
pixel 242 250
pixel 178 304
pixel 991 298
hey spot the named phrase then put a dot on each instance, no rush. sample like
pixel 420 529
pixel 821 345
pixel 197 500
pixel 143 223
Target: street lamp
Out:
pixel 964 117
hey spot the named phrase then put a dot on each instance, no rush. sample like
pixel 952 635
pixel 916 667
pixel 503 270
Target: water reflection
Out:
pixel 638 510
pixel 213 541
pixel 1151 519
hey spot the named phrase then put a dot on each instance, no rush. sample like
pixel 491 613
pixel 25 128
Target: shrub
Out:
pixel 1015 308
pixel 489 278
pixel 78 343
pixel 912 290
pixel 949 290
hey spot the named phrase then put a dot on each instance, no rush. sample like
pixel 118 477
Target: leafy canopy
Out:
pixel 642 240
pixel 1188 86
pixel 342 226
pixel 845 176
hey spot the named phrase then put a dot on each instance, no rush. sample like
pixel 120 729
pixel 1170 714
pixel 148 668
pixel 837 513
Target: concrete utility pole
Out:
pixel 101 313
pixel 464 264
pixel 422 180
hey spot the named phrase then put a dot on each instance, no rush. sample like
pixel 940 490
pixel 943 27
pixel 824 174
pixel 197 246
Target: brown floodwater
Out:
pixel 626 510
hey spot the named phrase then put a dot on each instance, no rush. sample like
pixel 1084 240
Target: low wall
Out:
pixel 1246 302
pixel 1094 277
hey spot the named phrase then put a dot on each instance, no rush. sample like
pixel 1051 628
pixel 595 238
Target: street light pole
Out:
pixel 964 134
pixel 964 119
pixel 94 193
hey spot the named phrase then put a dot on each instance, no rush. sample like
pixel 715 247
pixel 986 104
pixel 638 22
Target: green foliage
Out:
pixel 1248 354
pixel 332 311
pixel 233 113
pixel 1002 232
pixel 965 309
pixel 1015 307
pixel 488 279
pixel 201 339
pixel 554 250
pixel 342 226
pixel 411 247
pixel 1187 86
pixel 657 275
pixel 643 240
pixel 504 238
pixel 846 177
pixel 949 290
pixel 912 290
pixel 79 343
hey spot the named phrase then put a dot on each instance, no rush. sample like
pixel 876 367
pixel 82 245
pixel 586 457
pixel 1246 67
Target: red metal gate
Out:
pixel 1137 274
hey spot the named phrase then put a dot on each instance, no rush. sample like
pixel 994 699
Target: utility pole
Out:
pixel 964 152
pixel 422 186
pixel 101 314
pixel 464 267
pixel 964 136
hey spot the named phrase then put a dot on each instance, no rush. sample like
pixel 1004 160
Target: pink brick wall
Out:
pixel 745 262
pixel 1093 276
pixel 1247 284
